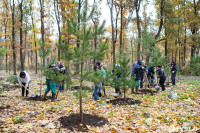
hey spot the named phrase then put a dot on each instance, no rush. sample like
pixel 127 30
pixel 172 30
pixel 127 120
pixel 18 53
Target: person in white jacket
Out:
pixel 23 78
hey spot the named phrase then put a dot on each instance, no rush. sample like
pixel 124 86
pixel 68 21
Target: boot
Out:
pixel 136 89
pixel 45 95
pixel 132 90
pixel 53 97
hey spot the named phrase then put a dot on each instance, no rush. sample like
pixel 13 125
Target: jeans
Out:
pixel 173 77
pixel 162 82
pixel 23 89
pixel 97 90
pixel 51 85
pixel 62 87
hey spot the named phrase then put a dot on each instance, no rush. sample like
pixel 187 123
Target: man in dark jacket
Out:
pixel 174 69
pixel 136 71
pixel 150 74
pixel 162 75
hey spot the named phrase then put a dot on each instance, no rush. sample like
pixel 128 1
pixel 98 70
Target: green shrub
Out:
pixel 12 79
pixel 18 120
pixel 194 66
pixel 1 90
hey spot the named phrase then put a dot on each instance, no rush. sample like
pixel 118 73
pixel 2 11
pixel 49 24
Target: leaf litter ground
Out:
pixel 155 113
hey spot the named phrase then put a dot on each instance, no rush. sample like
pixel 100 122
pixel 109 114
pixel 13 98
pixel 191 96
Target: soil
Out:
pixel 10 88
pixel 72 122
pixel 78 87
pixel 146 91
pixel 6 107
pixel 38 98
pixel 120 101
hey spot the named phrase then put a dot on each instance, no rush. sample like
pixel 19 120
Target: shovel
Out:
pixel 33 95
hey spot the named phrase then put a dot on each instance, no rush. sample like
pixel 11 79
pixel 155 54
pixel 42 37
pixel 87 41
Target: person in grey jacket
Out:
pixel 174 69
pixel 162 75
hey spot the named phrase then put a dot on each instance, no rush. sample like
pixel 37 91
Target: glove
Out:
pixel 172 71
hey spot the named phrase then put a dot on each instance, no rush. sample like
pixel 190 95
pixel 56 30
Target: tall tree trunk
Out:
pixel 184 47
pixel 5 31
pixel 57 14
pixel 112 26
pixel 121 28
pixel 21 37
pixel 175 50
pixel 166 47
pixel 25 45
pixel 194 30
pixel 33 26
pixel 13 38
pixel 137 5
pixel 42 26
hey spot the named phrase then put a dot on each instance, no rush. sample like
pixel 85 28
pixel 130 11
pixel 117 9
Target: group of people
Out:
pixel 24 79
pixel 140 73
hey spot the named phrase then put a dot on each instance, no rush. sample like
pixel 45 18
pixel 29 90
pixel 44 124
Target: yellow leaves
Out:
pixel 43 131
pixel 25 110
pixel 113 130
pixel 128 128
pixel 68 110
pixel 92 107
pixel 153 128
pixel 191 95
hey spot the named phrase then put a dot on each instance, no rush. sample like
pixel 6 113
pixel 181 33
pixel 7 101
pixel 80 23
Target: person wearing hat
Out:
pixel 24 79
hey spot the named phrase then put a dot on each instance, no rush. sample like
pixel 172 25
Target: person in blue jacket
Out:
pixel 150 74
pixel 136 70
pixel 63 71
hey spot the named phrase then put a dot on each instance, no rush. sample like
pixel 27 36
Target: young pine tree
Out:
pixel 81 54
pixel 123 69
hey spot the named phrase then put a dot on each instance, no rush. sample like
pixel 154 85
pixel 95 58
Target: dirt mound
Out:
pixel 121 101
pixel 146 91
pixel 38 98
pixel 72 122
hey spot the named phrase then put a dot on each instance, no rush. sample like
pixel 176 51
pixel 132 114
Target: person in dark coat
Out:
pixel 136 70
pixel 150 74
pixel 142 74
pixel 63 71
pixel 117 89
pixel 162 75
pixel 174 69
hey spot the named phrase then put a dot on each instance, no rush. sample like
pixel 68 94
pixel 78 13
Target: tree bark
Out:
pixel 112 26
pixel 161 19
pixel 21 37
pixel 13 37
pixel 33 26
pixel 137 6
pixel 42 26
pixel 121 28
pixel 57 14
